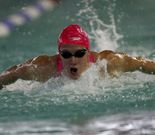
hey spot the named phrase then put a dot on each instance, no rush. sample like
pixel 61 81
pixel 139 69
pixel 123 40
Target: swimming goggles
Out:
pixel 78 54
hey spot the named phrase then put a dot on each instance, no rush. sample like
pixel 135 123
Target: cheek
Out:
pixel 65 63
pixel 84 61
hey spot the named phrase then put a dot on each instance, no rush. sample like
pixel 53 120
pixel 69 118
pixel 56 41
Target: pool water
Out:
pixel 88 106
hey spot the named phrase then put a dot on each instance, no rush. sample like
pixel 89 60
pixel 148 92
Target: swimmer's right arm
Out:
pixel 7 77
pixel 12 74
pixel 40 69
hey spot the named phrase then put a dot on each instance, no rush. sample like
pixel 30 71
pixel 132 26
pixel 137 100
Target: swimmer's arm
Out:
pixel 120 62
pixel 13 74
pixel 6 78
pixel 138 63
pixel 40 69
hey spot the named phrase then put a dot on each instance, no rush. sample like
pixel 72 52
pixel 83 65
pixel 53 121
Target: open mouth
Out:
pixel 73 70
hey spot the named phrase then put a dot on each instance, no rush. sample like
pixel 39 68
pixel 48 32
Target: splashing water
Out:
pixel 93 105
pixel 104 35
pixel 91 82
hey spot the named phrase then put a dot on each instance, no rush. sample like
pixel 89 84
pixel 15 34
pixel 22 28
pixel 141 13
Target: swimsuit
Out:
pixel 60 65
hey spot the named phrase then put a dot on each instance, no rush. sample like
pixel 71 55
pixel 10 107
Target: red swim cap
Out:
pixel 74 35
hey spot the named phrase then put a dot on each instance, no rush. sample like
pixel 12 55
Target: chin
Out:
pixel 74 77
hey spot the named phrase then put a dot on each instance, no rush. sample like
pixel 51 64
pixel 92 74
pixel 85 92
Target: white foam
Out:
pixel 23 85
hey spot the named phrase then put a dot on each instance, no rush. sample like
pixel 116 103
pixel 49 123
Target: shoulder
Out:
pixel 42 60
pixel 42 67
pixel 103 54
pixel 108 54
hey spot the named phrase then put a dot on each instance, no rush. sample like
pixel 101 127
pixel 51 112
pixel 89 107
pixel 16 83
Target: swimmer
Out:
pixel 73 58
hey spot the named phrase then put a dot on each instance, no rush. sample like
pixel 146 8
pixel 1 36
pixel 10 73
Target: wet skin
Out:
pixel 73 67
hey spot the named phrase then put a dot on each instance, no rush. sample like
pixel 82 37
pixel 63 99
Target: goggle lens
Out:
pixel 78 54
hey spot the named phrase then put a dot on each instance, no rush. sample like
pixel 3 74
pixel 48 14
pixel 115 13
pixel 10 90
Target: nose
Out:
pixel 73 60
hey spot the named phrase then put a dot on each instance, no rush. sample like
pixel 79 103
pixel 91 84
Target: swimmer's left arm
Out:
pixel 121 62
pixel 138 63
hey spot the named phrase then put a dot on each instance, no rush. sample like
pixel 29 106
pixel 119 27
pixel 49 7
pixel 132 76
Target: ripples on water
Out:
pixel 124 124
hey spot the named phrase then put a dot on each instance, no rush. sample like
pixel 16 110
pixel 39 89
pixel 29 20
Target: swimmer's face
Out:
pixel 75 60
